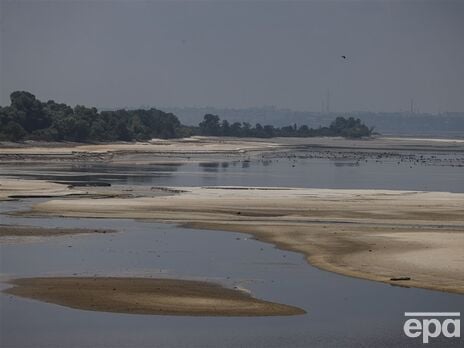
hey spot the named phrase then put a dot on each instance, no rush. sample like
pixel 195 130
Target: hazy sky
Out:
pixel 236 54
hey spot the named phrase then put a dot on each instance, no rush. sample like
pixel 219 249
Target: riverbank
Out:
pixel 166 151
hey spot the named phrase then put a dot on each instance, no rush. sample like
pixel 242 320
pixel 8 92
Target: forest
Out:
pixel 27 118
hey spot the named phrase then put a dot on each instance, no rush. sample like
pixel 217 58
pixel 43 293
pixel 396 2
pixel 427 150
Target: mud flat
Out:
pixel 32 231
pixel 147 296
pixel 379 143
pixel 405 238
pixel 203 148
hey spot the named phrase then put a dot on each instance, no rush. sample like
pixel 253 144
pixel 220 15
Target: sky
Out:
pixel 236 54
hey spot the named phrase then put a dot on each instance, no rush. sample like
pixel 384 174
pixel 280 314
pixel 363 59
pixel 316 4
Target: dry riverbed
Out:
pixel 221 149
pixel 404 238
pixel 121 295
pixel 400 237
pixel 156 150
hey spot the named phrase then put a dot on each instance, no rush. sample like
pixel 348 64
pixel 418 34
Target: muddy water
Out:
pixel 341 311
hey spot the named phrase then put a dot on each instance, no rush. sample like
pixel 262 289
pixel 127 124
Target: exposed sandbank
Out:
pixel 147 296
pixel 371 234
pixel 201 148
pixel 32 231
pixel 172 150
pixel 20 188
pixel 12 189
pixel 186 145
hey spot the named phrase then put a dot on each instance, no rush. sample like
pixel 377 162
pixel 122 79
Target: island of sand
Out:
pixel 146 296
pixel 407 238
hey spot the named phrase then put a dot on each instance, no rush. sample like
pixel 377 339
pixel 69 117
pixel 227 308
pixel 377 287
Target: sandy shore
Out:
pixel 204 148
pixel 13 189
pixel 19 188
pixel 373 234
pixel 188 145
pixel 147 296
pixel 157 150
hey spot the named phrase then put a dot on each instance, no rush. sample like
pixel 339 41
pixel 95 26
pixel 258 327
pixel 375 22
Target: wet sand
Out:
pixel 372 234
pixel 14 189
pixel 19 188
pixel 32 231
pixel 147 296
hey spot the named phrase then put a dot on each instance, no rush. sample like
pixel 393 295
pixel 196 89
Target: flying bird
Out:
pixel 344 57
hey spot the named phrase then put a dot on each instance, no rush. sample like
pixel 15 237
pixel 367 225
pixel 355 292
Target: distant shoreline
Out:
pixel 201 145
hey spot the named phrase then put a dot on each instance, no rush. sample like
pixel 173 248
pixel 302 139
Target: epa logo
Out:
pixel 431 325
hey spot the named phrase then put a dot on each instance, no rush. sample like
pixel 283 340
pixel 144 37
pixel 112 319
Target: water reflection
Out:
pixel 209 166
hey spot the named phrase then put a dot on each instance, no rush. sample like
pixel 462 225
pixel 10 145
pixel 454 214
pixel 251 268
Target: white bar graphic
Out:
pixel 432 314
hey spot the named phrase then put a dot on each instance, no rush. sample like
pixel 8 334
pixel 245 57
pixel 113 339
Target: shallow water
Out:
pixel 342 311
pixel 289 172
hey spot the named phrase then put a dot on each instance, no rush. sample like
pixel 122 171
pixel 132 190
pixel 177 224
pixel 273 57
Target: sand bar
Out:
pixel 33 231
pixel 147 296
pixel 171 146
pixel 371 234
pixel 18 188
pixel 13 189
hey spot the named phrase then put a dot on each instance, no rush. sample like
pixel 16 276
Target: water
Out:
pixel 288 172
pixel 341 311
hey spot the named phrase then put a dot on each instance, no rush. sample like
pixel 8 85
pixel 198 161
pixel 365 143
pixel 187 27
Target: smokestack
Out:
pixel 328 101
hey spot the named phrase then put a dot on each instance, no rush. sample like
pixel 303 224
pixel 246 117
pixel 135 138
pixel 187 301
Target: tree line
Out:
pixel 345 127
pixel 27 118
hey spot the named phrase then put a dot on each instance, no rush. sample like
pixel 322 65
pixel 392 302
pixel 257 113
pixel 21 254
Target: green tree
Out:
pixel 210 125
pixel 29 111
